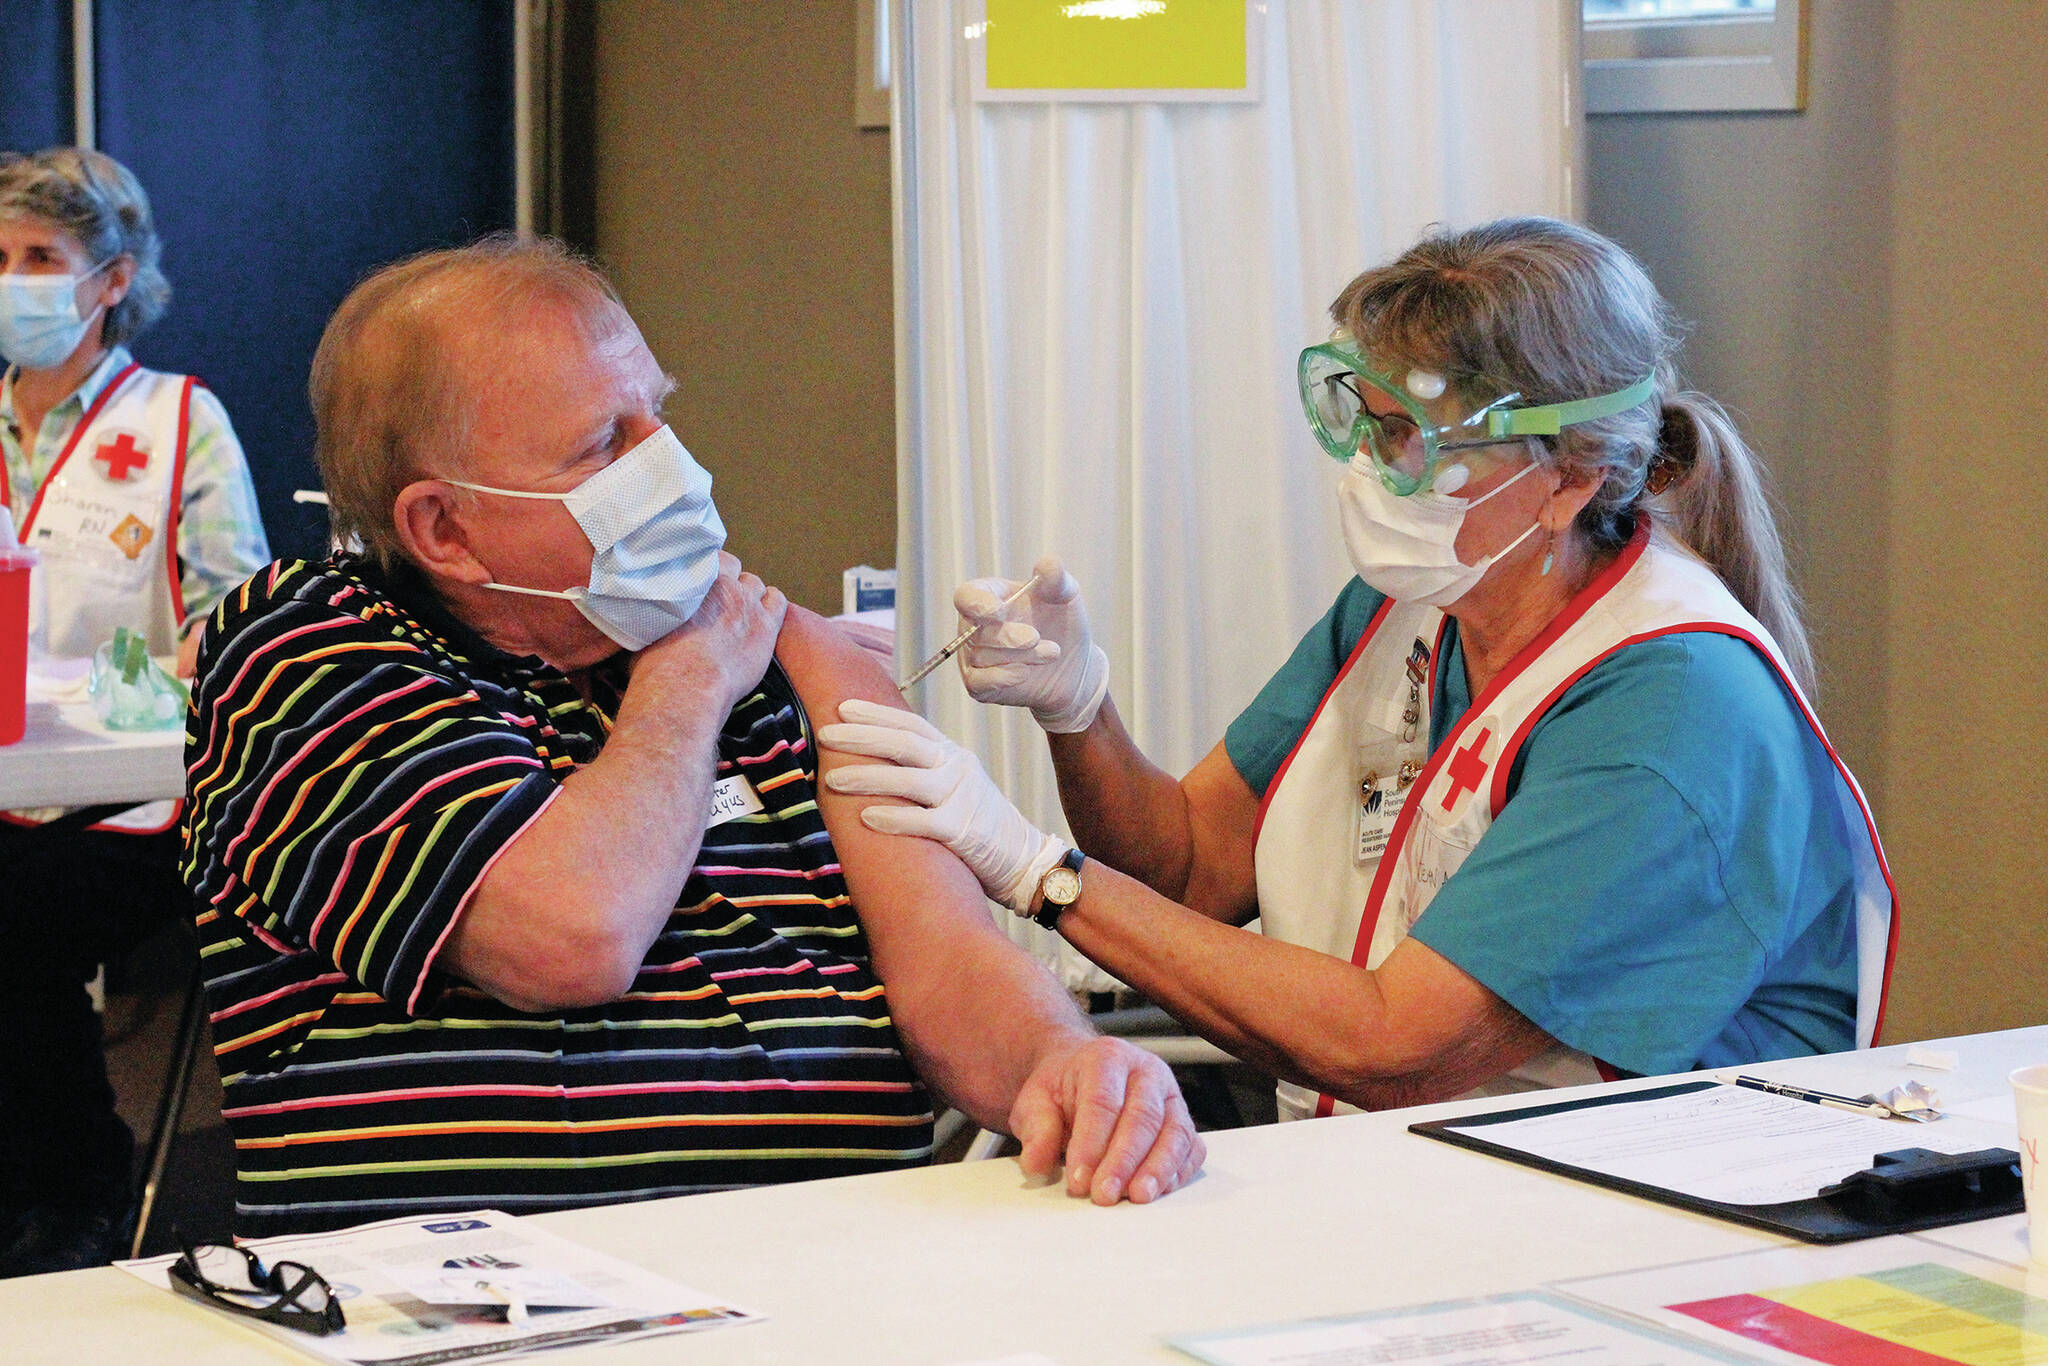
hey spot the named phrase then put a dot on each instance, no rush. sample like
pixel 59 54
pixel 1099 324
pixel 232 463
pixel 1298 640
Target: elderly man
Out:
pixel 518 886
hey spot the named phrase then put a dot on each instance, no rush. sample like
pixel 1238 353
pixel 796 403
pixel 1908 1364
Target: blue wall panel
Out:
pixel 288 147
pixel 35 74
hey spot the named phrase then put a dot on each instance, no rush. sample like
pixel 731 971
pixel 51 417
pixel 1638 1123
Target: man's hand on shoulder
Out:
pixel 1116 1114
pixel 727 644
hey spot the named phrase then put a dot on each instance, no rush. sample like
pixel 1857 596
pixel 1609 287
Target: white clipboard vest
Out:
pixel 1360 910
pixel 105 524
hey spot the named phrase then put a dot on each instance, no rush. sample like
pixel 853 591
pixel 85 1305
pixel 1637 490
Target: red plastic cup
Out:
pixel 15 564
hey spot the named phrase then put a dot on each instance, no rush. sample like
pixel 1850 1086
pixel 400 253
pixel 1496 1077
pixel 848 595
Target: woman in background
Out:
pixel 131 486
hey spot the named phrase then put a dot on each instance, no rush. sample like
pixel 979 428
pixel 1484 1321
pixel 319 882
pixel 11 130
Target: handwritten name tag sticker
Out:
pixel 732 798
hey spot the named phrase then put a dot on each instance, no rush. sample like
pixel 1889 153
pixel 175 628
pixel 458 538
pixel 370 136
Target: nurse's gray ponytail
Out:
pixel 1556 312
pixel 1716 503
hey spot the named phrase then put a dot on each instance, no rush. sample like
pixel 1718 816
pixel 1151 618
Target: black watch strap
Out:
pixel 1047 912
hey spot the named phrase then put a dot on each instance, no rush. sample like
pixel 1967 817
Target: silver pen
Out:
pixel 1856 1105
pixel 952 647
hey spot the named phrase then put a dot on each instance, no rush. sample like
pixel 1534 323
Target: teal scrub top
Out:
pixel 1670 883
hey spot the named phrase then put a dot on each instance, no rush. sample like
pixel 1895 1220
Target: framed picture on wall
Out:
pixel 1115 51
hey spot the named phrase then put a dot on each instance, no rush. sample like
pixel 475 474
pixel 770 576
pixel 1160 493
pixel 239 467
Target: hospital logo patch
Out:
pixel 133 535
pixel 121 457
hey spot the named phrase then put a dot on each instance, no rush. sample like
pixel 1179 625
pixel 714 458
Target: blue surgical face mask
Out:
pixel 657 535
pixel 39 322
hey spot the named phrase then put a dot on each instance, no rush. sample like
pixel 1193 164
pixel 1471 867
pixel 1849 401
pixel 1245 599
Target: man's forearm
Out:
pixel 635 815
pixel 567 913
pixel 980 1028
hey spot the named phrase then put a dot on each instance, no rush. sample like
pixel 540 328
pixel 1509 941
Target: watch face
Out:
pixel 1062 885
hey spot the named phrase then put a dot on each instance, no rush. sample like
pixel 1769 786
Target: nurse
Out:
pixel 1540 799
pixel 132 487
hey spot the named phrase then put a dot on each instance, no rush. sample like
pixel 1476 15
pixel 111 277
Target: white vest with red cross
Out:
pixel 105 522
pixel 1330 882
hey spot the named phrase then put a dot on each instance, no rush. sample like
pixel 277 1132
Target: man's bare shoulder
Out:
pixel 827 666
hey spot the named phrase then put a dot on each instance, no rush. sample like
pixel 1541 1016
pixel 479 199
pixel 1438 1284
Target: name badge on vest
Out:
pixel 1386 777
pixel 732 798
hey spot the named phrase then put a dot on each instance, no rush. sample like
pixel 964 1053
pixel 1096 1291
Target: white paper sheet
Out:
pixel 369 1268
pixel 1724 1143
pixel 1503 1330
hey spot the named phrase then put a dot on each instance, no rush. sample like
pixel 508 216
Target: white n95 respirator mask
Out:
pixel 1407 547
pixel 656 533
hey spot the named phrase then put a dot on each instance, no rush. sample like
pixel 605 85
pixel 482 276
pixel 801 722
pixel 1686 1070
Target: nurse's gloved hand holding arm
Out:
pixel 956 804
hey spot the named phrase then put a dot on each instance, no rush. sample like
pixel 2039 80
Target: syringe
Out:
pixel 952 647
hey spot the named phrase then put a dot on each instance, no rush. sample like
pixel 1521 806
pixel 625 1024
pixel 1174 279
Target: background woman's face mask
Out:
pixel 39 322
pixel 656 533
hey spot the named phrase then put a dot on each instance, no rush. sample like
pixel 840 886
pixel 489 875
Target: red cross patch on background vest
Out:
pixel 121 458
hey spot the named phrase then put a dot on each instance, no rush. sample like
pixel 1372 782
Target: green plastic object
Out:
pixel 1407 447
pixel 131 691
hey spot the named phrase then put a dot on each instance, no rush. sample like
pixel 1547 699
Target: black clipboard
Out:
pixel 1900 1193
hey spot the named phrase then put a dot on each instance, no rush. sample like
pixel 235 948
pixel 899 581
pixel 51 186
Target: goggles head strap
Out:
pixel 1550 418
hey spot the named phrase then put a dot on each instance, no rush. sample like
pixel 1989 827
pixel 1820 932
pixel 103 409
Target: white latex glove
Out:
pixel 1035 653
pixel 957 805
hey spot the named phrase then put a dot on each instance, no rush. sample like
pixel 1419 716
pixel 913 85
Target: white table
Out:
pixel 961 1263
pixel 65 757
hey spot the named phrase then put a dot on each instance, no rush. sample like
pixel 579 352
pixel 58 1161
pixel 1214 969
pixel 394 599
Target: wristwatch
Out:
pixel 1057 890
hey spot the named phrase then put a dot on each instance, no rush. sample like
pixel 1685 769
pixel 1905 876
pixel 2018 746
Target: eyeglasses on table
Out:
pixel 236 1279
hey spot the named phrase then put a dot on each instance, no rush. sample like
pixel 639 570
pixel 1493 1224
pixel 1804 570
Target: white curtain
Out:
pixel 1098 311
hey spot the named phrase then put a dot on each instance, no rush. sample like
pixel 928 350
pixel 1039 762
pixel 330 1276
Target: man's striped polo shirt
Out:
pixel 356 758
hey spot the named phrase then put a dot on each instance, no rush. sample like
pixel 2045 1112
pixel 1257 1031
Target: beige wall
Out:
pixel 746 220
pixel 1869 281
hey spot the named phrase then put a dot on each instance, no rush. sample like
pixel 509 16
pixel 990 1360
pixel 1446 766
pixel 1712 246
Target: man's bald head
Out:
pixel 397 378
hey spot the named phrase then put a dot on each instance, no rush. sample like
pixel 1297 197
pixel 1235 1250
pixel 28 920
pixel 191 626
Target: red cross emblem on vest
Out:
pixel 122 457
pixel 1467 769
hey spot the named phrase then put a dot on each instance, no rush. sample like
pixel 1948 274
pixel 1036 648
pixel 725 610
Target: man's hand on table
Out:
pixel 728 643
pixel 1116 1114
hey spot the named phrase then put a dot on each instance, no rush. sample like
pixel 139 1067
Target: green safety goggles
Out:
pixel 1407 446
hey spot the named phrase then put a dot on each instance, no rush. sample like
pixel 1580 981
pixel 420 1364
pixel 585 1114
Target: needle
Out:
pixel 952 647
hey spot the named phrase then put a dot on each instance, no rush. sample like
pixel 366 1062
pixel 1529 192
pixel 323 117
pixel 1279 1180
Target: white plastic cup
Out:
pixel 2030 1105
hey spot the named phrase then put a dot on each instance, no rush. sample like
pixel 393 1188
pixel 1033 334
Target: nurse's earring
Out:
pixel 1550 537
